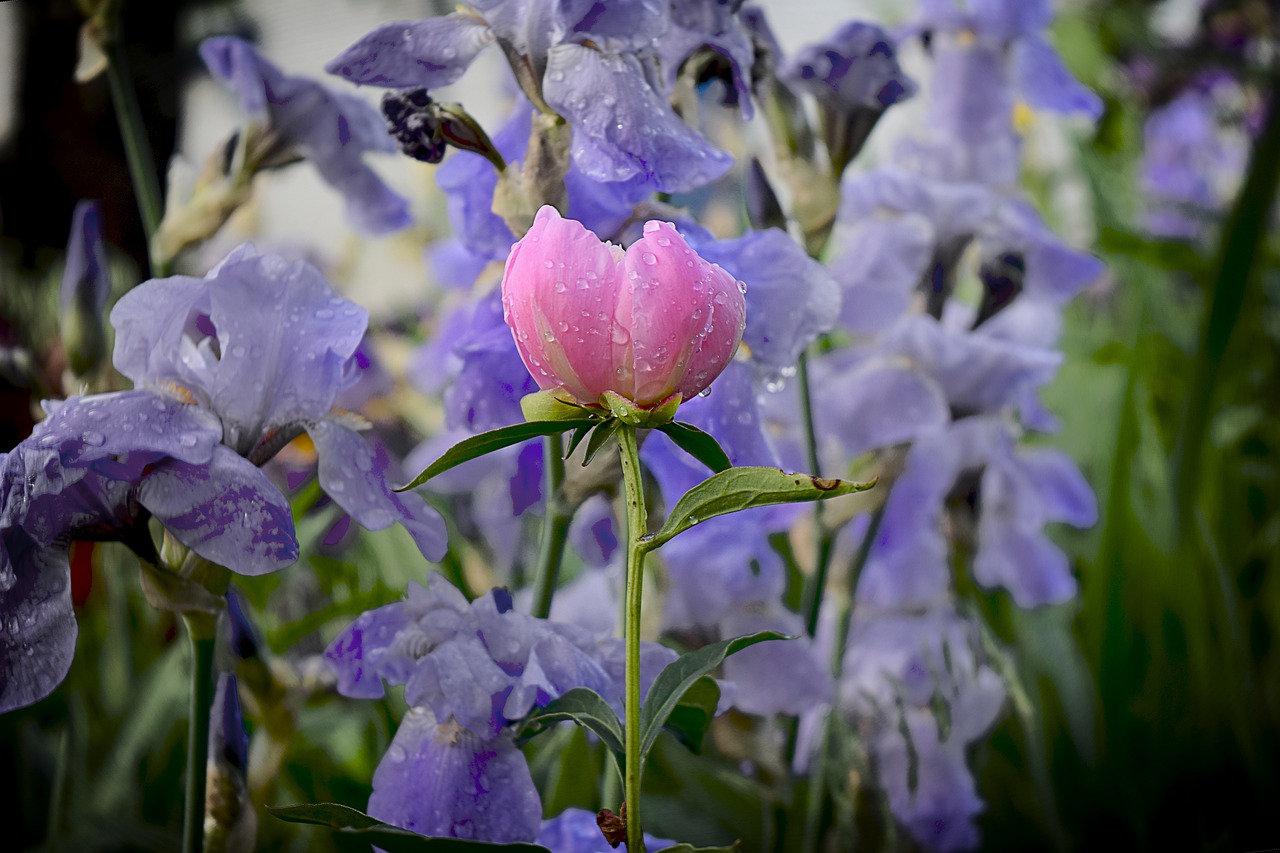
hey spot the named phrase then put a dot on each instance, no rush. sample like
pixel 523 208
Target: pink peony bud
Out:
pixel 647 323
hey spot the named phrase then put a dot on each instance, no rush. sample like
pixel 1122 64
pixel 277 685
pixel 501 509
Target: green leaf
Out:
pixel 692 716
pixel 742 488
pixel 585 707
pixel 353 823
pixel 599 438
pixel 671 685
pixel 698 444
pixel 488 442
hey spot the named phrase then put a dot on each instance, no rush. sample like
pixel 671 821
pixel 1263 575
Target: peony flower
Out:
pixel 646 323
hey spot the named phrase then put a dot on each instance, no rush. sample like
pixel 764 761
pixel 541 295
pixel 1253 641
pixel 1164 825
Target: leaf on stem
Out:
pixel 698 444
pixel 692 715
pixel 585 707
pixel 744 487
pixel 487 442
pixel 671 685
pixel 353 823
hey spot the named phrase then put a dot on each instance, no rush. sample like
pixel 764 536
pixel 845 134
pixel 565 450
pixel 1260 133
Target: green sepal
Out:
pixel 741 488
pixel 487 442
pixel 574 440
pixel 675 680
pixel 355 824
pixel 555 405
pixel 599 438
pixel 698 444
pixel 632 415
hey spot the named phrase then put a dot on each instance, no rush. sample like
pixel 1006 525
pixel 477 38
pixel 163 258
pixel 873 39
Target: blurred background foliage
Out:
pixel 1146 714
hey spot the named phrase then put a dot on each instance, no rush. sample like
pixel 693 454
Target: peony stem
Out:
pixel 637 525
pixel 555 528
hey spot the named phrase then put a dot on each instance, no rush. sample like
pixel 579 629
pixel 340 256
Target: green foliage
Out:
pixel 697 444
pixel 487 442
pixel 744 487
pixel 681 675
pixel 355 825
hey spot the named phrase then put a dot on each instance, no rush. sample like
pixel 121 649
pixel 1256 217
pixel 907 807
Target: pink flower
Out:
pixel 647 323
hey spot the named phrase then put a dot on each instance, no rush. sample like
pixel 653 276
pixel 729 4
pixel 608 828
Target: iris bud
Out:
pixel 646 323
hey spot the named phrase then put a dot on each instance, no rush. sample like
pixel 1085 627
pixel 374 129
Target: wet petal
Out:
pixel 37 623
pixel 430 53
pixel 227 511
pixel 440 780
pixel 354 474
pixel 622 128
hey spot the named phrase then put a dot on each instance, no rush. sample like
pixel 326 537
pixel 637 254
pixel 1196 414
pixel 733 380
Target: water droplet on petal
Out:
pixel 324 314
pixel 94 439
pixel 649 258
pixel 742 287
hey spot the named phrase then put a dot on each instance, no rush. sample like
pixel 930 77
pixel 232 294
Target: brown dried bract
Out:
pixel 613 826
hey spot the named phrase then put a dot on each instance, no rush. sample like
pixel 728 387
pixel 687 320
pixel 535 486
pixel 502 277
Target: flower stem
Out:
pixel 555 528
pixel 137 149
pixel 200 629
pixel 817 782
pixel 822 538
pixel 637 524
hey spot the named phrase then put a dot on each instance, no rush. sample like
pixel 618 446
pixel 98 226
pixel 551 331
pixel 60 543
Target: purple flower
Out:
pixel 97 468
pixel 1188 163
pixel 854 76
pixel 919 690
pixel 268 376
pixel 593 63
pixel 988 56
pixel 441 779
pixel 331 129
pixel 86 284
pixel 1018 492
pixel 469 671
pixel 713 29
pixel 469 180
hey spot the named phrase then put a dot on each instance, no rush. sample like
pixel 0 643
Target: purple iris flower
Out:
pixel 901 238
pixel 713 28
pixel 95 469
pixel 918 688
pixel 469 670
pixel 331 129
pixel 268 375
pixel 988 56
pixel 469 180
pixel 593 63
pixel 86 284
pixel 1188 164
pixel 1017 491
pixel 854 76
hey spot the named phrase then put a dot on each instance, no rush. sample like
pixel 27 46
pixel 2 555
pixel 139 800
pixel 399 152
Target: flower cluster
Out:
pixel 470 672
